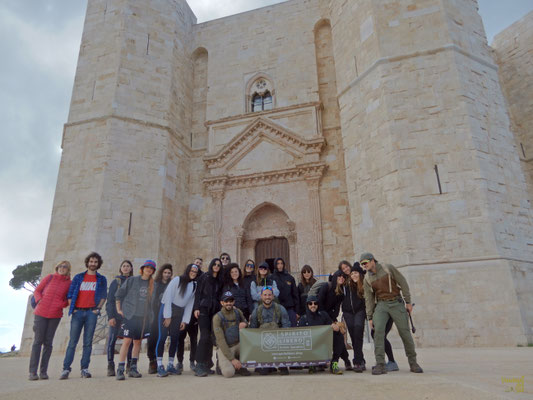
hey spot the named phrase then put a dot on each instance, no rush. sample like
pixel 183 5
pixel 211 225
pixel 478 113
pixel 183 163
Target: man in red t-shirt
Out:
pixel 86 296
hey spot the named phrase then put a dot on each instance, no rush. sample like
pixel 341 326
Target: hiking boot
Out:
pixel 348 366
pixel 128 366
pixel 43 376
pixel 414 367
pixel 392 366
pixel 133 373
pixel 111 369
pixel 172 370
pixel 334 369
pixel 201 370
pixel 161 373
pixel 152 367
pixel 358 368
pixel 179 367
pixel 379 369
pixel 120 373
pixel 64 374
pixel 85 373
pixel 243 372
pixel 33 376
pixel 192 366
pixel 311 370
pixel 284 371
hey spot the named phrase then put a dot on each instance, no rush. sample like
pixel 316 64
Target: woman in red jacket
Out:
pixel 51 298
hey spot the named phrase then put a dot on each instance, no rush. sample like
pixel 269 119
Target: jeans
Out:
pixel 45 329
pixel 86 320
pixel 355 323
pixel 173 331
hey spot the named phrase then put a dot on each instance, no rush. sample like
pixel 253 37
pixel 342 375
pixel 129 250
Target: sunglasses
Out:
pixel 263 267
pixel 250 265
pixel 224 258
pixel 312 303
pixel 267 288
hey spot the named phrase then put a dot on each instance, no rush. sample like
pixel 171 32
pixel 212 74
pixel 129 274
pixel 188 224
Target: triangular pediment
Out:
pixel 261 140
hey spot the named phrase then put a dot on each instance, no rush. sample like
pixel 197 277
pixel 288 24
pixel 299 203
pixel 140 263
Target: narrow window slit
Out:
pixel 438 178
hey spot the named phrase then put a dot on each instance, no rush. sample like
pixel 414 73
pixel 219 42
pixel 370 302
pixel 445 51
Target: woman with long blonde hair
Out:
pixel 51 298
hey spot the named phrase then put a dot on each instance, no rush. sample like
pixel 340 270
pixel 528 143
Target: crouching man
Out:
pixel 226 325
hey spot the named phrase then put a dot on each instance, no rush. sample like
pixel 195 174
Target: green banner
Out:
pixel 308 346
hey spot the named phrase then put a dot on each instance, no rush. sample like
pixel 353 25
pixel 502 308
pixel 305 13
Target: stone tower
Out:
pixel 433 175
pixel 317 128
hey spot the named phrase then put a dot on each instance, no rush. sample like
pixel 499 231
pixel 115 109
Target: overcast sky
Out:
pixel 40 42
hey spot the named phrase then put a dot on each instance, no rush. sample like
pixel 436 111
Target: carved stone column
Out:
pixel 316 218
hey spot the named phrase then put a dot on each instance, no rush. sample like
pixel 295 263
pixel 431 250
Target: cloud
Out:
pixel 206 10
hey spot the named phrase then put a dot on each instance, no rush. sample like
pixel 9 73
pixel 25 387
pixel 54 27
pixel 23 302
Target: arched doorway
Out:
pixel 270 249
pixel 268 233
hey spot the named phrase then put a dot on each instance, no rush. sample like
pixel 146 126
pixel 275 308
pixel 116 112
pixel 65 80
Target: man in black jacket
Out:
pixel 288 290
pixel 314 317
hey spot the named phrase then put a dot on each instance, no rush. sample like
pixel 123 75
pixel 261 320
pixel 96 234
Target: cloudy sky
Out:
pixel 40 42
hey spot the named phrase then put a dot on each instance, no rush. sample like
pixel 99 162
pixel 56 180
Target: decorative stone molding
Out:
pixel 259 84
pixel 267 128
pixel 308 172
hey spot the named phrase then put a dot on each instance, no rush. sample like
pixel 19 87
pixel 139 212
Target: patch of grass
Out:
pixel 528 345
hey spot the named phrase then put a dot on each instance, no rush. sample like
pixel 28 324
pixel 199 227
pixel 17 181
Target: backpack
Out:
pixel 277 316
pixel 316 288
pixel 230 333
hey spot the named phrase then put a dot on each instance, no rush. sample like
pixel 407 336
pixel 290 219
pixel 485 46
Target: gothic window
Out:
pixel 260 95
pixel 262 103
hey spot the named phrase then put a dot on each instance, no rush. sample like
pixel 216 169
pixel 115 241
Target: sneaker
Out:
pixel 134 373
pixel 161 372
pixel 414 367
pixel 284 371
pixel 111 369
pixel 392 366
pixel 33 377
pixel 172 370
pixel 152 367
pixel 348 366
pixel 358 368
pixel 120 374
pixel 179 367
pixel 334 369
pixel 64 374
pixel 379 369
pixel 85 373
pixel 43 376
pixel 200 370
pixel 243 372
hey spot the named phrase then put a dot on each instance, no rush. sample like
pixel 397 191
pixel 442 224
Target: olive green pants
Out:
pixel 396 310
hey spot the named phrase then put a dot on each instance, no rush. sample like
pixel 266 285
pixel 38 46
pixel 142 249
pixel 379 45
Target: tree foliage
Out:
pixel 26 276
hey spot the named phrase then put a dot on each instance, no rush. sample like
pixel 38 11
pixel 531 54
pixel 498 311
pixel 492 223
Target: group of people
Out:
pixel 217 304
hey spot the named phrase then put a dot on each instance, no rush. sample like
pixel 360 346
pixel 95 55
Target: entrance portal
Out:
pixel 270 249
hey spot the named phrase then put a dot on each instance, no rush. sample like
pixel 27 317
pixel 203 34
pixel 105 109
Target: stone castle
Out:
pixel 314 129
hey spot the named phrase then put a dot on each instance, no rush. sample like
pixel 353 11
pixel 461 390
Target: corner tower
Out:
pixel 122 185
pixel 434 181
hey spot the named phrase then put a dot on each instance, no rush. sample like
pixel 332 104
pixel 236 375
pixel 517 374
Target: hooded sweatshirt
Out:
pixel 288 291
pixel 207 298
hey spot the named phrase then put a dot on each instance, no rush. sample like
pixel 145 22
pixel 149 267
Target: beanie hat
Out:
pixel 312 298
pixel 357 267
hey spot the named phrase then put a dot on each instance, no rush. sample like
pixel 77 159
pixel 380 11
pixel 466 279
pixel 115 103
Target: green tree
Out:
pixel 27 276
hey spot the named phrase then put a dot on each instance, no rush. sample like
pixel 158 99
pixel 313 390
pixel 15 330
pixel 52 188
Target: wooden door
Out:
pixel 270 249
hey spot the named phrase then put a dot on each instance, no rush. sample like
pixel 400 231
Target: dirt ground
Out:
pixel 480 373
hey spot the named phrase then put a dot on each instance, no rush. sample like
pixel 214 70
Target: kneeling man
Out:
pixel 226 325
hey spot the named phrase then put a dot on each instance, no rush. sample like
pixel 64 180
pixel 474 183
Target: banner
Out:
pixel 289 347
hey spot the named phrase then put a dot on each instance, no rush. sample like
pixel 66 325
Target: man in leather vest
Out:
pixel 384 286
pixel 226 325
